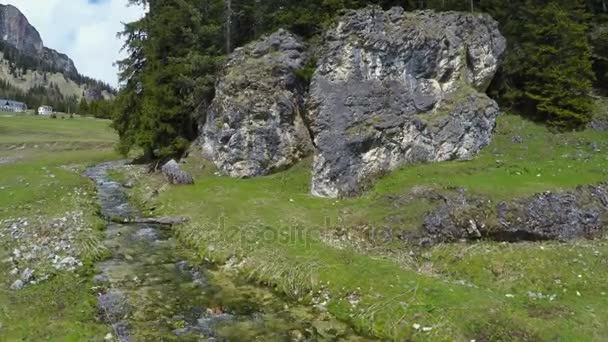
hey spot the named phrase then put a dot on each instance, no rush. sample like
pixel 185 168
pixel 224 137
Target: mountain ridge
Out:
pixel 38 75
pixel 16 30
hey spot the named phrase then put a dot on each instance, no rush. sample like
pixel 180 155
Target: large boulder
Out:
pixel 397 87
pixel 254 125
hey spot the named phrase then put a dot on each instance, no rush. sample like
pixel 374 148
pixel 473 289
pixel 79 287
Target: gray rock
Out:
pixel 114 305
pixel 130 183
pixel 27 275
pixel 254 125
pixel 581 213
pixel 17 285
pixel 174 173
pixel 599 124
pixel 556 216
pixel 397 87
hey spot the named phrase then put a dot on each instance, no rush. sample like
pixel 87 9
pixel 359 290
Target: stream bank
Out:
pixel 148 290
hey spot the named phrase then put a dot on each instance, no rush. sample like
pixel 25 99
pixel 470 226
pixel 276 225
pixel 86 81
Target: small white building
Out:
pixel 45 110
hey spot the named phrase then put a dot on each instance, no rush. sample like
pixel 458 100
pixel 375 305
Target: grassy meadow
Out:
pixel 319 250
pixel 41 161
pixel 343 256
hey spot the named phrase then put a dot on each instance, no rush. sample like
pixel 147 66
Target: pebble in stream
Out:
pixel 149 293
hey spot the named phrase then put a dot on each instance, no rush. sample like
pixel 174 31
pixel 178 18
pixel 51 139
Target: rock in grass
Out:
pixel 175 175
pixel 130 183
pixel 580 213
pixel 254 125
pixel 27 275
pixel 599 124
pixel 396 87
pixel 17 285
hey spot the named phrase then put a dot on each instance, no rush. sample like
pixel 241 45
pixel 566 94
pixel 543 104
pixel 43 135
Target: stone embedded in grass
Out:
pixel 175 175
pixel 17 285
pixel 27 275
pixel 581 213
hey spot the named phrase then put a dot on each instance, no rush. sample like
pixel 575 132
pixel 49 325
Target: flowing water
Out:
pixel 149 292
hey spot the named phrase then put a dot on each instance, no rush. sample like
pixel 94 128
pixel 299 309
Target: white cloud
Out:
pixel 83 30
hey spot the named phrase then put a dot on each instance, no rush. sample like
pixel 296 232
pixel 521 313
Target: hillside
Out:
pixel 28 79
pixel 36 74
pixel 34 185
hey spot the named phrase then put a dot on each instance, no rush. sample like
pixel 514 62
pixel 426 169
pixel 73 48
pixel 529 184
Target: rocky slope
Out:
pixel 25 62
pixel 16 30
pixel 390 88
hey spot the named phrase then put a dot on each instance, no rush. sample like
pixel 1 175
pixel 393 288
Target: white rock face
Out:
pixel 254 125
pixel 397 87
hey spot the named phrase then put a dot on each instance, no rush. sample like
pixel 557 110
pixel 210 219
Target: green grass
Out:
pixel 543 161
pixel 452 289
pixel 37 129
pixel 43 161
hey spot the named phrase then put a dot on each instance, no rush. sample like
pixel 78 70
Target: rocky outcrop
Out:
pixel 391 88
pixel 92 94
pixel 397 87
pixel 59 61
pixel 95 93
pixel 254 124
pixel 16 30
pixel 581 213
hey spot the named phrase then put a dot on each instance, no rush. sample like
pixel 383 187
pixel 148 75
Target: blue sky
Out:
pixel 83 29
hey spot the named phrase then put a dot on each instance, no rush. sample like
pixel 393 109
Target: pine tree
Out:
pixel 83 106
pixel 549 67
pixel 175 51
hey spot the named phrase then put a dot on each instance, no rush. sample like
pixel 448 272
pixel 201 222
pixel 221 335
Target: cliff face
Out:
pixel 16 30
pixel 59 61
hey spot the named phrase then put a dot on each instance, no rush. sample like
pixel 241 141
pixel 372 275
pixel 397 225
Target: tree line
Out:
pixel 557 53
pixel 38 96
pixel 51 96
pixel 20 62
pixel 101 109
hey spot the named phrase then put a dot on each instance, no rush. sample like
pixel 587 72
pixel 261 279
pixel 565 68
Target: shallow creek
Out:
pixel 149 291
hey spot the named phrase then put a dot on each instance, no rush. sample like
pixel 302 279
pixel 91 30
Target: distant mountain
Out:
pixel 16 30
pixel 35 74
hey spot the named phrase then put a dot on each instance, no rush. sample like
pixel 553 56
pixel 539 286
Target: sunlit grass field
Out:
pixel 41 160
pixel 483 291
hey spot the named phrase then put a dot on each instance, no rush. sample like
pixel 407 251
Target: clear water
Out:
pixel 149 292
